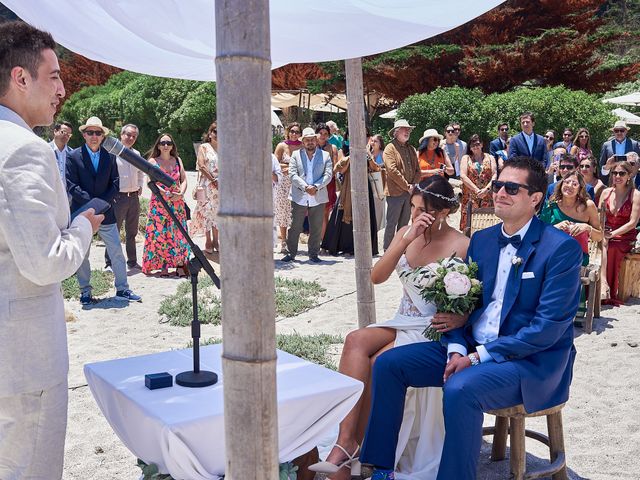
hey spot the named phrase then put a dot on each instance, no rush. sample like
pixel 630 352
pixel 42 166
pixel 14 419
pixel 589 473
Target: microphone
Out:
pixel 114 146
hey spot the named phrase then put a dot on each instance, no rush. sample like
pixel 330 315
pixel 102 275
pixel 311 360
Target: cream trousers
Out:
pixel 32 431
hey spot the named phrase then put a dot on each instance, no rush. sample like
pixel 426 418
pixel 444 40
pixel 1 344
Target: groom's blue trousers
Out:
pixel 466 395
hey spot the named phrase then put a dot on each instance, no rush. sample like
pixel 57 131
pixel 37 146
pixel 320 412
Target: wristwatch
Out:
pixel 474 358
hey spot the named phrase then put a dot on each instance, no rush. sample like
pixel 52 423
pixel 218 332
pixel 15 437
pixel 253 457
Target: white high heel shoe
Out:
pixel 351 462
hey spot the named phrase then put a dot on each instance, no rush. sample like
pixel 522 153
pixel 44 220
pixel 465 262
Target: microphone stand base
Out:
pixel 191 379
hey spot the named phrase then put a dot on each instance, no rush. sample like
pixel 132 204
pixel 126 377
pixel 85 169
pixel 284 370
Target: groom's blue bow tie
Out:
pixel 503 241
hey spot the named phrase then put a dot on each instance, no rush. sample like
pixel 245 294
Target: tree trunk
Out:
pixel 245 220
pixel 360 192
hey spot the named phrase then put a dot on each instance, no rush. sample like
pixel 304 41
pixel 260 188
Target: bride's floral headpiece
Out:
pixel 453 200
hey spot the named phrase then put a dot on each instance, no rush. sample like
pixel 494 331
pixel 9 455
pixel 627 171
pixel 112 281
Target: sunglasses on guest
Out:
pixel 549 137
pixel 297 132
pixel 511 188
pixel 619 130
pixel 450 130
pixel 504 129
pixel 619 173
pixel 583 136
pixel 566 167
pixel 94 133
pixel 165 143
pixel 585 166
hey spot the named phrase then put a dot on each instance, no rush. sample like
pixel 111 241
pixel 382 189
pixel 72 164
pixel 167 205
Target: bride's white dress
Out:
pixel 422 432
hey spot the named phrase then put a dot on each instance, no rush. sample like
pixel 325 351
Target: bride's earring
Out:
pixel 440 224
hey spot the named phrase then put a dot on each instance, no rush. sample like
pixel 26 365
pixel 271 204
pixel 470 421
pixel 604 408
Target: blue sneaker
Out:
pixel 128 296
pixel 87 299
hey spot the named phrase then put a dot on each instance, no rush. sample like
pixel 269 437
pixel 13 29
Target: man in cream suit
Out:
pixel 39 247
pixel 310 171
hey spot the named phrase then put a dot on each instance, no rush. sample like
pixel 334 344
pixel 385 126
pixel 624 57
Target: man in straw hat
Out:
pixel 39 247
pixel 618 146
pixel 403 172
pixel 93 172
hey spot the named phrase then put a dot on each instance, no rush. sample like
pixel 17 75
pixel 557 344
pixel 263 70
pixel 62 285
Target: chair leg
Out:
pixel 556 442
pixel 597 302
pixel 499 447
pixel 588 319
pixel 518 454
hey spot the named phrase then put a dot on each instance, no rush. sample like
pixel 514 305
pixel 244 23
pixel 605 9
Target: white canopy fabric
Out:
pixel 390 114
pixel 628 117
pixel 177 39
pixel 630 99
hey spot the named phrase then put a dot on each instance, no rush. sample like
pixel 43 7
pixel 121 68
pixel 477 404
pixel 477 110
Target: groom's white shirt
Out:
pixel 487 327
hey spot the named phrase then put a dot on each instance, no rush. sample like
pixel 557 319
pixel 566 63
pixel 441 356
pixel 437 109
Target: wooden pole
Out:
pixel 360 192
pixel 245 221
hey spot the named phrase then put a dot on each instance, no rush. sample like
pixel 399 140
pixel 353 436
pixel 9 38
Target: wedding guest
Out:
pixel 621 202
pixel 581 147
pixel 62 133
pixel 335 139
pixel 527 142
pixel 276 178
pixel 282 202
pixel 477 171
pixel 567 165
pixel 549 139
pixel 403 171
pixel 553 173
pixel 323 134
pixel 310 171
pixel 454 147
pixel 500 142
pixel 39 247
pixel 633 159
pixel 516 348
pixel 618 146
pixel 126 203
pixel 164 245
pixel 428 239
pixel 589 169
pixel 502 156
pixel 92 172
pixel 205 216
pixel 433 160
pixel 338 236
pixel 376 147
pixel 567 140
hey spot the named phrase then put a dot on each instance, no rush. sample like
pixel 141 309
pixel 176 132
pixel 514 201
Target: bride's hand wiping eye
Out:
pixel 418 226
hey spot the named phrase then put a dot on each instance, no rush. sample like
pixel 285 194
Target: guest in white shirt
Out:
pixel 126 203
pixel 62 133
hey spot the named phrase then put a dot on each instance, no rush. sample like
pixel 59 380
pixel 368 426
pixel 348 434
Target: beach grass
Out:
pixel 101 283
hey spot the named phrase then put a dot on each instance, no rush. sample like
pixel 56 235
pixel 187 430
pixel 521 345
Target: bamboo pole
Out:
pixel 360 193
pixel 245 220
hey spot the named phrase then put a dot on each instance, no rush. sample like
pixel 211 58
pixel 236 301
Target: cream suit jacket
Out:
pixel 38 249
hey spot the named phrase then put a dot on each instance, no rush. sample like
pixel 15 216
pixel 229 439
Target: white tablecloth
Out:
pixel 182 429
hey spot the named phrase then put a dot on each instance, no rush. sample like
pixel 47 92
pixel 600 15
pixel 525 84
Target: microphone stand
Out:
pixel 193 378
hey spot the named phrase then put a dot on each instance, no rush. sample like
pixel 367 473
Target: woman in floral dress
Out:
pixel 477 170
pixel 206 212
pixel 164 245
pixel 282 203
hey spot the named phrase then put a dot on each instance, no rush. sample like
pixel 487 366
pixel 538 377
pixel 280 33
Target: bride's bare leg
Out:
pixel 355 362
pixel 365 407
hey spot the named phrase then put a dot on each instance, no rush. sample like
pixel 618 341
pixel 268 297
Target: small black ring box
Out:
pixel 158 380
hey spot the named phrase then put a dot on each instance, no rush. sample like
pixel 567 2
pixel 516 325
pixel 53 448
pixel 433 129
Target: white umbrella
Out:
pixel 390 114
pixel 627 116
pixel 630 99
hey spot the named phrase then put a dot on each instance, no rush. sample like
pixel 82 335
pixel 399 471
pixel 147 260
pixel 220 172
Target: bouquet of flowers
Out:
pixel 449 283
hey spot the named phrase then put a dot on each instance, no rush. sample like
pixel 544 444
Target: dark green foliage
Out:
pixel 182 108
pixel 554 108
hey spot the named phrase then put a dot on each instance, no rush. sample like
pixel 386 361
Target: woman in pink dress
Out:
pixel 164 245
pixel 622 208
pixel 581 148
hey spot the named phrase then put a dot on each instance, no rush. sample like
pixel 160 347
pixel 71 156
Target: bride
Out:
pixel 428 239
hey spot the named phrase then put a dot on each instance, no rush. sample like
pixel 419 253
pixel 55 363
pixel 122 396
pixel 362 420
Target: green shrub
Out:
pixel 101 283
pixel 554 108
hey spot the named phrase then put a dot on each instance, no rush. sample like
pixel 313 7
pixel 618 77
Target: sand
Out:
pixel 601 420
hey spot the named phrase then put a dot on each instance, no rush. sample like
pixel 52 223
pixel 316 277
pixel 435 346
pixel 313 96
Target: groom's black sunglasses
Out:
pixel 511 188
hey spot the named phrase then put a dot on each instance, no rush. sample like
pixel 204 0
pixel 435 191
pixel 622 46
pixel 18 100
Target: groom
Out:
pixel 517 348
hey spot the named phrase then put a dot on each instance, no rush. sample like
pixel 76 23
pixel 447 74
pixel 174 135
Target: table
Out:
pixel 181 430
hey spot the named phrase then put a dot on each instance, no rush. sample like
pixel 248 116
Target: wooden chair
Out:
pixel 510 421
pixel 479 218
pixel 590 277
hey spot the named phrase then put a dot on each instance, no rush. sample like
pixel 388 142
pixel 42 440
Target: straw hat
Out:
pixel 431 132
pixel 400 123
pixel 620 124
pixel 308 132
pixel 94 122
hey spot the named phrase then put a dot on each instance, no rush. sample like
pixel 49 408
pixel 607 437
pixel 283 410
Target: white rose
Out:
pixel 456 284
pixel 427 279
pixel 475 281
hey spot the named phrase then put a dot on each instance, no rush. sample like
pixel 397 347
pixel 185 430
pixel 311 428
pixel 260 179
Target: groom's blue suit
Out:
pixel 532 358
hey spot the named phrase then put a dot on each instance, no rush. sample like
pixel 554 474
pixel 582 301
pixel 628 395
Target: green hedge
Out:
pixel 183 108
pixel 554 108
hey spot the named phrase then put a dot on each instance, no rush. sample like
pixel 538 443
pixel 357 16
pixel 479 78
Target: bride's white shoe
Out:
pixel 351 462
